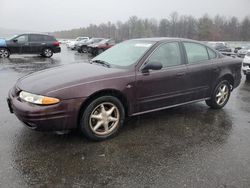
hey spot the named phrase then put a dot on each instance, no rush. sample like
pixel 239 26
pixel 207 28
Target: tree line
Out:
pixel 205 28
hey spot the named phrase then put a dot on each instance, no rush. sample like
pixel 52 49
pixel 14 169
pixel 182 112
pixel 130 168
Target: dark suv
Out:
pixel 45 45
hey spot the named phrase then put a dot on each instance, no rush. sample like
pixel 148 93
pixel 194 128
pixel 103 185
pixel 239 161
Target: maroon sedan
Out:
pixel 134 77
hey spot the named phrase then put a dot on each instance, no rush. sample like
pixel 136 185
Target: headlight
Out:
pixel 37 99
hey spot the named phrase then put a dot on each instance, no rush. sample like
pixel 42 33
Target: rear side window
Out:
pixel 49 38
pixel 40 38
pixel 36 38
pixel 167 54
pixel 211 53
pixel 196 53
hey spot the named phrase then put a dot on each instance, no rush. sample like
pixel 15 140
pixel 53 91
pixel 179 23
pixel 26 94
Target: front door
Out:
pixel 17 45
pixel 165 87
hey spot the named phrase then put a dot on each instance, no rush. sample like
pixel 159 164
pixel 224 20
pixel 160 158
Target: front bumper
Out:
pixel 61 116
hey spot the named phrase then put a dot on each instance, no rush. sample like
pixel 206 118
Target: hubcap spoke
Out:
pixel 98 125
pixel 106 127
pixel 110 111
pixel 112 119
pixel 98 117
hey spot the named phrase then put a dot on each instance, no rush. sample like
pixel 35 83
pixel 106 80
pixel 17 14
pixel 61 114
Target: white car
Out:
pixel 242 52
pixel 72 43
pixel 246 65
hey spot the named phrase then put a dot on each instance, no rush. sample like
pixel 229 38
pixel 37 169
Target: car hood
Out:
pixel 243 51
pixel 2 43
pixel 54 79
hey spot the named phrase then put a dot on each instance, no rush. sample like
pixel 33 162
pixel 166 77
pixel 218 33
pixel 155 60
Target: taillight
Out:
pixel 56 43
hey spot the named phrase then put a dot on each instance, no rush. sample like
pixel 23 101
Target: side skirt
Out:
pixel 166 107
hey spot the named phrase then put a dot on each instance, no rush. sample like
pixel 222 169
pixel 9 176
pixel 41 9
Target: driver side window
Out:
pixel 22 39
pixel 167 54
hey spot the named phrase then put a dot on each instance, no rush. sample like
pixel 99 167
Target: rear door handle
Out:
pixel 216 69
pixel 180 74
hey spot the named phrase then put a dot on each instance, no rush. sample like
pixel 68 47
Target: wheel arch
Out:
pixel 229 78
pixel 47 47
pixel 6 47
pixel 106 92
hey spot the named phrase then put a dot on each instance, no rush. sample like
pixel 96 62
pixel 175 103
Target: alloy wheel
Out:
pixel 4 53
pixel 47 52
pixel 222 94
pixel 104 118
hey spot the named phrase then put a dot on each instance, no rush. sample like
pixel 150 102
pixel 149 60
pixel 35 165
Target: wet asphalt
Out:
pixel 187 146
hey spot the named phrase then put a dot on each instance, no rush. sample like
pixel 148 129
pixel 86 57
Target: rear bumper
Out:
pixel 61 116
pixel 57 49
pixel 246 69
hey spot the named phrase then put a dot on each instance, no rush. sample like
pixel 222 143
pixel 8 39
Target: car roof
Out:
pixel 35 34
pixel 160 39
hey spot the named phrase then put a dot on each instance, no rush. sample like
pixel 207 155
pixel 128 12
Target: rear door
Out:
pixel 165 87
pixel 36 43
pixel 201 70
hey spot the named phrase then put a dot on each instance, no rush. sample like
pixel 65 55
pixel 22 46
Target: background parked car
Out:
pixel 72 44
pixel 243 51
pixel 83 48
pixel 98 48
pixel 222 47
pixel 45 45
pixel 237 49
pixel 246 65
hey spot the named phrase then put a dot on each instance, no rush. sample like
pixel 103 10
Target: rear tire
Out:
pixel 4 53
pixel 220 95
pixel 47 52
pixel 248 77
pixel 102 119
pixel 84 49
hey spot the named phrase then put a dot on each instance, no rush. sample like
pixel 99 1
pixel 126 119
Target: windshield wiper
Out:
pixel 101 62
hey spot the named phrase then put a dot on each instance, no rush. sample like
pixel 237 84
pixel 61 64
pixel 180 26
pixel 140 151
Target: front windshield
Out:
pixel 11 38
pixel 125 53
pixel 104 41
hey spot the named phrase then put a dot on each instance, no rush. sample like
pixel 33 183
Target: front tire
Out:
pixel 4 53
pixel 47 52
pixel 103 118
pixel 220 95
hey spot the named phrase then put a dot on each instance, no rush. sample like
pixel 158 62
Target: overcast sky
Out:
pixel 51 15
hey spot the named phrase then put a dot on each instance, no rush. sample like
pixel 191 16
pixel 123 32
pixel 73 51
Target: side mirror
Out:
pixel 153 65
pixel 15 40
pixel 107 43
